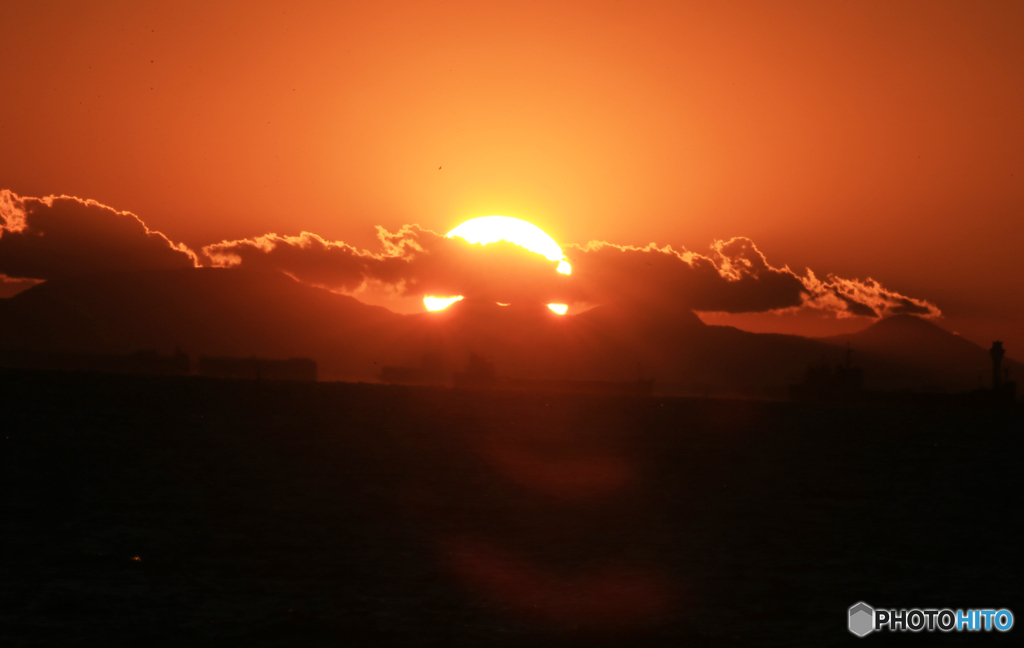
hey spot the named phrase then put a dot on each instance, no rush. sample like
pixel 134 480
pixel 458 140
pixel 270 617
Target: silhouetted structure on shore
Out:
pixel 144 362
pixel 432 371
pixel 254 368
pixel 1003 389
pixel 846 384
pixel 481 373
pixel 823 383
pixel 997 354
pixel 634 388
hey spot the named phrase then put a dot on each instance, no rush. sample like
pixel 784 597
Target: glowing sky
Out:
pixel 867 139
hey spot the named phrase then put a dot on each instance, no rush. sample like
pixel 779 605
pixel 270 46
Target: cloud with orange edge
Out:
pixel 62 236
pixel 734 277
pixel 413 261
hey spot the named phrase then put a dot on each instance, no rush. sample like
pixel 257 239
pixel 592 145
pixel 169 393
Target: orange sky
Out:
pixel 867 139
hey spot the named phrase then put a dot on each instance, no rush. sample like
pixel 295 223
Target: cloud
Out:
pixel 848 297
pixel 735 277
pixel 55 237
pixel 414 261
pixel 61 236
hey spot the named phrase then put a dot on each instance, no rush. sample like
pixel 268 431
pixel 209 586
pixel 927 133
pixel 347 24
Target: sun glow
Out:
pixel 440 303
pixel 491 229
pixel 559 308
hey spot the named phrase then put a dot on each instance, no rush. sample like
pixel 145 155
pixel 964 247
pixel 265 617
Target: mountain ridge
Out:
pixel 213 311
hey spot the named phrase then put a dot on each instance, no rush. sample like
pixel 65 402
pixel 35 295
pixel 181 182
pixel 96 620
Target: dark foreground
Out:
pixel 150 511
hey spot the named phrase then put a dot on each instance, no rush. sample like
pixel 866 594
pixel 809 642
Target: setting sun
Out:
pixel 776 243
pixel 440 303
pixel 491 229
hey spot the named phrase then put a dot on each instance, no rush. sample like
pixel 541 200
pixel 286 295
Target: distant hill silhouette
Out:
pixel 935 353
pixel 615 342
pixel 232 312
pixel 202 311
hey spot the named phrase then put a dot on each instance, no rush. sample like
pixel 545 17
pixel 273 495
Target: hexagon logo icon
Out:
pixel 862 619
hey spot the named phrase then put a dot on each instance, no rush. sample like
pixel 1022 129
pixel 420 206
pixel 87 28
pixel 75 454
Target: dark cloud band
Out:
pixel 735 277
pixel 61 236
pixel 56 237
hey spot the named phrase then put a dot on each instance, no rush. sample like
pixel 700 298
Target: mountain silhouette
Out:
pixel 202 311
pixel 936 354
pixel 234 312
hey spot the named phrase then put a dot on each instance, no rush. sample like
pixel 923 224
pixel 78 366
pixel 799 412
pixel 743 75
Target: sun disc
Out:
pixel 440 303
pixel 559 308
pixel 491 229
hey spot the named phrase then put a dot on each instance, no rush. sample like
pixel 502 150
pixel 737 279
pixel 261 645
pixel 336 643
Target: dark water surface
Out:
pixel 332 514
